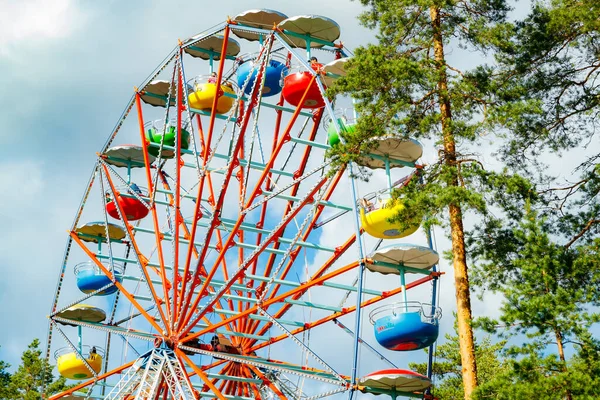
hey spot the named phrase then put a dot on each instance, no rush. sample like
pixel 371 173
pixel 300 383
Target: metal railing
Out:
pixel 159 124
pixel 63 351
pixel 91 266
pixel 429 313
pixel 202 79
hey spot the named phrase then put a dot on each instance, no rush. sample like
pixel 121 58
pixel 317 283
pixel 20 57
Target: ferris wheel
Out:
pixel 217 254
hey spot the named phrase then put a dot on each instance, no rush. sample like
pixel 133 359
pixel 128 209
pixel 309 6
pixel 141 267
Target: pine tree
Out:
pixel 33 374
pixel 553 64
pixel 405 86
pixel 447 366
pixel 550 293
pixel 4 380
pixel 544 257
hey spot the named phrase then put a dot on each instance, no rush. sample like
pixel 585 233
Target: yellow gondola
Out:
pixel 70 366
pixel 377 222
pixel 203 96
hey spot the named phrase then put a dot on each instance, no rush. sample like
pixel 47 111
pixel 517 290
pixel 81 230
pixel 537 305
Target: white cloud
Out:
pixel 35 21
pixel 22 182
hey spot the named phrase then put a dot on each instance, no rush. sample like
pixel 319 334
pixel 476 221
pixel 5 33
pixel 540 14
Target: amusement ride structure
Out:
pixel 217 254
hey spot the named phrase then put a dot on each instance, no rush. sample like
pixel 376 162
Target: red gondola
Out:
pixel 295 84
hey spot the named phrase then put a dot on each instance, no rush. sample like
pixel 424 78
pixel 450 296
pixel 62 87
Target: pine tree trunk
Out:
pixel 561 355
pixel 461 279
pixel 559 341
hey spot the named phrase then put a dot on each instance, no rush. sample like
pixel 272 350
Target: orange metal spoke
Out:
pixel 220 241
pixel 118 284
pixel 157 234
pixel 142 260
pixel 232 165
pixel 268 382
pixel 236 228
pixel 206 145
pixel 227 390
pixel 241 271
pixel 200 373
pixel 283 296
pixel 284 139
pixel 223 371
pixel 229 387
pixel 338 252
pixel 192 234
pixel 346 311
pixel 255 390
pixel 318 212
pixel 244 390
pixel 299 172
pixel 178 218
pixel 268 182
pixel 91 381
pixel 167 187
pixel 222 385
pixel 240 176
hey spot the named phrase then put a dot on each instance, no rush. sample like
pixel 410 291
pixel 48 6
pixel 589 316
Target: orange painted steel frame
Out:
pixel 273 300
pixel 142 260
pixel 116 282
pixel 91 381
pixel 214 222
pixel 299 172
pixel 235 229
pixel 268 185
pixel 200 373
pixel 233 232
pixel 242 269
pixel 293 256
pixel 178 218
pixel 254 324
pixel 158 235
pixel 186 231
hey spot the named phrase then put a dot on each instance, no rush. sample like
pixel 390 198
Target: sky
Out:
pixel 67 69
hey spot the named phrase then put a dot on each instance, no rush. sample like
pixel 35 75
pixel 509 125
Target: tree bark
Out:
pixel 561 355
pixel 461 278
pixel 559 341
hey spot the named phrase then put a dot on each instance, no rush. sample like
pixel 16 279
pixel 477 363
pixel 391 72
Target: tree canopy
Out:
pixel 407 86
pixel 447 374
pixel 32 377
pixel 529 94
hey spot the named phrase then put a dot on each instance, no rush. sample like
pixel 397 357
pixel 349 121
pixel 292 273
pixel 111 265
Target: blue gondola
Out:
pixel 90 278
pixel 406 326
pixel 275 72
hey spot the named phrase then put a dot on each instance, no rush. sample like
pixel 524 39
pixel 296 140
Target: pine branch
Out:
pixel 585 229
pixel 569 188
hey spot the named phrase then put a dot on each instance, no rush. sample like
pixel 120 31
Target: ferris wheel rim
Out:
pixel 315 199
